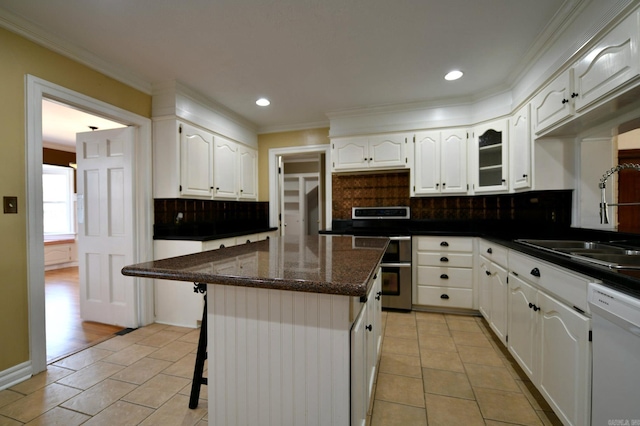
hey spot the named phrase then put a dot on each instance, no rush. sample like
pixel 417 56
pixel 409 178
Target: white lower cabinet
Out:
pixel 492 298
pixel 443 272
pixel 550 341
pixel 366 338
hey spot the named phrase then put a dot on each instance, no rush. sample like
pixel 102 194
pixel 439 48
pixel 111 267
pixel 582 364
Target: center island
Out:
pixel 294 327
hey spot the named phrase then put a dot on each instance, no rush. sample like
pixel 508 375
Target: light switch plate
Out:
pixel 10 204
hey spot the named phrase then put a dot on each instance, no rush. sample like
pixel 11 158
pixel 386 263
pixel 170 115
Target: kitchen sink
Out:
pixel 612 254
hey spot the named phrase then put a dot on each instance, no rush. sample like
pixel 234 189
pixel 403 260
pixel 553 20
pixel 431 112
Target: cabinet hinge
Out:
pixel 180 128
pixel 279 170
pixel 334 164
pixel 414 188
pixel 506 338
pixel 414 138
pixel 590 336
pixel 280 216
pixel 578 310
pixel 333 146
pixel 406 160
pixel 467 187
pixel 180 188
pixel 507 280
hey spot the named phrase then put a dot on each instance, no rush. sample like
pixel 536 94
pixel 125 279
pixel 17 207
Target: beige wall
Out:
pixel 283 140
pixel 19 57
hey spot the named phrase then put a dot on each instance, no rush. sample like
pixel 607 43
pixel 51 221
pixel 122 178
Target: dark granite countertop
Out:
pixel 317 264
pixel 507 233
pixel 200 232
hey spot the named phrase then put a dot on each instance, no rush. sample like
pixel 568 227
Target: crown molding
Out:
pixel 293 127
pixel 31 32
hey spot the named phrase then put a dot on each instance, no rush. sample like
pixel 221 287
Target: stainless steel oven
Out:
pixel 389 222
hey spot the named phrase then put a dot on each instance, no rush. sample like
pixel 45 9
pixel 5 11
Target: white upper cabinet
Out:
pixel 552 105
pixel 520 149
pixel 440 162
pixel 196 156
pixel 234 170
pixel 370 152
pixel 612 62
pixel 490 156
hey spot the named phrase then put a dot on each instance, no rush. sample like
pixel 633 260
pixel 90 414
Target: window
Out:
pixel 57 197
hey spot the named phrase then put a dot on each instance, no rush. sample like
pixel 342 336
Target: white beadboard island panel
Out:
pixel 278 357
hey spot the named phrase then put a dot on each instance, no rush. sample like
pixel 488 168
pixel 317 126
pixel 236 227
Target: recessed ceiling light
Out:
pixel 453 75
pixel 263 102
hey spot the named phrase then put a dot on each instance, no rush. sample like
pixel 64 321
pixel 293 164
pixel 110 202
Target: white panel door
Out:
pixel 453 159
pixel 105 225
pixel 426 170
pixel 224 168
pixel 196 158
pixel 248 163
pixel 520 149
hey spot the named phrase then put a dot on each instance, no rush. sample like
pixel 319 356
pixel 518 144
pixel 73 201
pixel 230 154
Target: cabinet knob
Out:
pixel 443 185
pixel 488 273
pixel 504 180
pixel 524 176
pixel 489 250
pixel 574 95
pixel 535 272
pixel 221 245
pixel 248 241
pixel 530 305
pixel 444 244
pixel 369 327
pixel 217 188
pixel 437 185
pixel 536 308
pixel 444 259
pixel 444 277
pixel 444 296
pixel 564 101
pixel 378 294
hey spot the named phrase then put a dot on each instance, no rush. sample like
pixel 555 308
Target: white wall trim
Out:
pixel 274 196
pixel 14 375
pixel 36 90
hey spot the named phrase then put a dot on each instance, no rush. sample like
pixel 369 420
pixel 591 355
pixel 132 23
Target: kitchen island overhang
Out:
pixel 280 314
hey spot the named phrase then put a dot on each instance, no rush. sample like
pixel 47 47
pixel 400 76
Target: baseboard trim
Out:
pixel 16 374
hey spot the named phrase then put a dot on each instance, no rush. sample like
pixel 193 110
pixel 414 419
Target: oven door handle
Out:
pixel 402 238
pixel 395 265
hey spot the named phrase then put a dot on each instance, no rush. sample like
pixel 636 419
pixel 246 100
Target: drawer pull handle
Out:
pixel 489 250
pixel 444 259
pixel 488 273
pixel 444 244
pixel 444 296
pixel 221 245
pixel 369 327
pixel 535 272
pixel 444 276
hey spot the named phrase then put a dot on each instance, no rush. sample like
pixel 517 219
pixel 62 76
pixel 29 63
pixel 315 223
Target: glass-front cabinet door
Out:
pixel 491 149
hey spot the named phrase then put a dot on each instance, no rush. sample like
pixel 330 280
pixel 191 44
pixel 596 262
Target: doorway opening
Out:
pixel 66 331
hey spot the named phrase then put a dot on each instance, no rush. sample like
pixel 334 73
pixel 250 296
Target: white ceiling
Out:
pixel 309 57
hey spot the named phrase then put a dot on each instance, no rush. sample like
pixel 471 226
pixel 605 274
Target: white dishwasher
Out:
pixel 615 398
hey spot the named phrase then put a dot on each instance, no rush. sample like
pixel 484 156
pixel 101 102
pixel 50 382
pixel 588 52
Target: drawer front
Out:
pixel 445 277
pixel 494 252
pixel 445 297
pixel 450 260
pixel 445 244
pixel 567 285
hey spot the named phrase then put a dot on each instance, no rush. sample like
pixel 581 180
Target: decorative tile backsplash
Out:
pixel 234 214
pixel 392 189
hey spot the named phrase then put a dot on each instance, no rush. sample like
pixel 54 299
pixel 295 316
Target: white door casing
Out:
pixel 105 225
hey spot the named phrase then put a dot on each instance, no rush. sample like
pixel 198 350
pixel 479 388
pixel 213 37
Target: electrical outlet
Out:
pixel 10 204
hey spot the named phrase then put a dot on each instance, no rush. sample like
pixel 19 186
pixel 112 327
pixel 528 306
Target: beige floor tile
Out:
pixel 156 391
pixel 161 338
pixel 447 383
pixel 148 330
pixel 120 413
pixel 402 365
pixel 8 396
pixel 486 376
pixel 441 360
pixel 463 325
pixel 444 410
pixel 431 327
pixel 509 407
pixel 40 380
pixel 91 375
pixel 39 402
pixel 191 337
pixel 402 331
pixel 401 318
pixel 84 358
pixel 466 338
pixel 130 354
pixel 400 346
pixel 184 367
pixel 59 416
pixel 117 343
pixel 390 414
pixel 496 423
pixel 6 421
pixel 461 317
pixel 181 330
pixel 99 397
pixel 141 370
pixel 431 317
pixel 174 351
pixel 204 391
pixel 479 355
pixel 400 389
pixel 436 342
pixel 176 412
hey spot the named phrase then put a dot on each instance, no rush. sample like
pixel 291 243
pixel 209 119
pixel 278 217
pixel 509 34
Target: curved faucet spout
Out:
pixel 604 215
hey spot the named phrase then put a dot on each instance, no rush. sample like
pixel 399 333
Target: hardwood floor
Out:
pixel 66 332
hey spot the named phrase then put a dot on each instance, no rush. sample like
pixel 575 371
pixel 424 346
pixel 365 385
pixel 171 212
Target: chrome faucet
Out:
pixel 604 215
